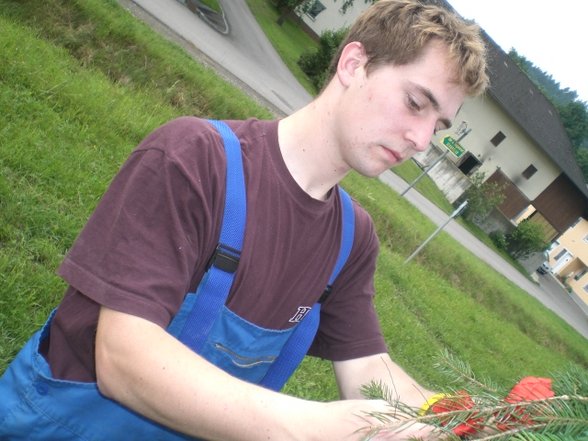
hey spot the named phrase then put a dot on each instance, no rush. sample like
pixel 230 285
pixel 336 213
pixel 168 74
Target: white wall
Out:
pixel 513 155
pixel 332 18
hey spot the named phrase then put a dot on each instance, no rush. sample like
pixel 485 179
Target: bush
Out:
pixel 499 239
pixel 316 64
pixel 482 197
pixel 525 239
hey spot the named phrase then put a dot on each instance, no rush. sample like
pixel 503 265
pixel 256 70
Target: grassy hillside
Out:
pixel 81 82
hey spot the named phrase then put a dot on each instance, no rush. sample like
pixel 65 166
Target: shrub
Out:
pixel 525 239
pixel 499 239
pixel 316 64
pixel 482 197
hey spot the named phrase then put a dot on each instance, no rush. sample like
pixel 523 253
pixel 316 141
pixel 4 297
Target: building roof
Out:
pixel 528 106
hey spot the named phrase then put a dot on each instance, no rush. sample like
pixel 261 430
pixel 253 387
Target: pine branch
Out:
pixel 461 373
pixel 560 418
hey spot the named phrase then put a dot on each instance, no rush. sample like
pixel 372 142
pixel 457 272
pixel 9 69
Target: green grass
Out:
pixel 213 4
pixel 82 82
pixel 410 172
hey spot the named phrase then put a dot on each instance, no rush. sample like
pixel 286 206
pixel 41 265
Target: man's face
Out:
pixel 388 116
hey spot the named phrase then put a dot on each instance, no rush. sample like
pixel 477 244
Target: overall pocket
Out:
pixel 37 407
pixel 242 348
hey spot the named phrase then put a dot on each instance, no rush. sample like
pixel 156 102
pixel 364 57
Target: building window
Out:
pixel 586 288
pixel 498 138
pixel 580 274
pixel 586 238
pixel 529 171
pixel 315 9
pixel 560 254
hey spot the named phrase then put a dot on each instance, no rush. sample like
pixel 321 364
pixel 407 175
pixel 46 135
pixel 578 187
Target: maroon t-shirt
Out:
pixel 149 240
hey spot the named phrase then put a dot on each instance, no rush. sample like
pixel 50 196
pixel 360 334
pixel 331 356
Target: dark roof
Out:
pixel 526 104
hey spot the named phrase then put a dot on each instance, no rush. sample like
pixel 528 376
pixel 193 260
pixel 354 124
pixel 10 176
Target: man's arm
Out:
pixel 144 368
pixel 353 374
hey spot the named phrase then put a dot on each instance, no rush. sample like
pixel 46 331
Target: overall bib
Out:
pixel 35 406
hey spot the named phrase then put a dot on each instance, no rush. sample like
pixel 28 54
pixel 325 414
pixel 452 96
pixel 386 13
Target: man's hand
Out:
pixel 369 422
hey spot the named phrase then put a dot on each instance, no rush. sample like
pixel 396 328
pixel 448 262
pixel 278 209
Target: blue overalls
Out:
pixel 35 406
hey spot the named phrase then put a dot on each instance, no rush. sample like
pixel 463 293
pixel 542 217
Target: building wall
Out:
pixel 331 18
pixel 513 155
pixel 443 172
pixel 575 240
pixel 580 288
pixel 482 118
pixel 571 266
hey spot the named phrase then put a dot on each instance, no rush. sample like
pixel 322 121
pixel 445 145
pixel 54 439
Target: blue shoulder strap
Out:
pixel 214 288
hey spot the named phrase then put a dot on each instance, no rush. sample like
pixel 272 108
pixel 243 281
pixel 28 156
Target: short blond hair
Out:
pixel 396 31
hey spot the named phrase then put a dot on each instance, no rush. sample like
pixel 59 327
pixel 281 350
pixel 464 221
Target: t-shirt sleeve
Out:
pixel 148 237
pixel 349 326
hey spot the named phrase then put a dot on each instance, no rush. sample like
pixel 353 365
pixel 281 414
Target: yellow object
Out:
pixel 430 401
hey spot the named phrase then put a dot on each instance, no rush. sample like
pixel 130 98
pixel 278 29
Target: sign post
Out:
pixel 453 215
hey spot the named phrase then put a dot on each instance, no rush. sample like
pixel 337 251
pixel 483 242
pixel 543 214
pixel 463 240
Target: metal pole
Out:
pixel 453 215
pixel 425 171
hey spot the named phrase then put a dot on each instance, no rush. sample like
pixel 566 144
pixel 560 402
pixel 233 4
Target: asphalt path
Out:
pixel 245 57
pixel 244 52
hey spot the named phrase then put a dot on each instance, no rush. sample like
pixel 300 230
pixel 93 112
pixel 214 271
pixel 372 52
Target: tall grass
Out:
pixel 81 82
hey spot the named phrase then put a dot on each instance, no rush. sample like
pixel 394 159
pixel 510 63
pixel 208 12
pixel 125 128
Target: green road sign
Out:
pixel 453 146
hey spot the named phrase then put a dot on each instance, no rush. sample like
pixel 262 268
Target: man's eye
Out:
pixel 413 104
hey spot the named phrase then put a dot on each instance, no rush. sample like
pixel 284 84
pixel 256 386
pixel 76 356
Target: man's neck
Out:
pixel 310 150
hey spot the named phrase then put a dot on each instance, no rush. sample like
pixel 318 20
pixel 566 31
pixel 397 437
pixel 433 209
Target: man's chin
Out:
pixel 372 173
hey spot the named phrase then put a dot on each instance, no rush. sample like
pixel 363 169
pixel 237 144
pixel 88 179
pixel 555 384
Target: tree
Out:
pixel 285 7
pixel 582 157
pixel 525 239
pixel 316 64
pixel 482 197
pixel 574 116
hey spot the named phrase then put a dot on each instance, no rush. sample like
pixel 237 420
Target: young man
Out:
pixel 109 365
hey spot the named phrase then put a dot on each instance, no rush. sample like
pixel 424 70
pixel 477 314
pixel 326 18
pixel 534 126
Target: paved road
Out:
pixel 246 54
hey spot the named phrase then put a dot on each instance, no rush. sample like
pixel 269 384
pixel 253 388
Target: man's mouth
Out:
pixel 398 157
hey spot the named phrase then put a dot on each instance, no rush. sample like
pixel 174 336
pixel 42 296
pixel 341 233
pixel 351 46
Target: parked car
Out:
pixel 544 268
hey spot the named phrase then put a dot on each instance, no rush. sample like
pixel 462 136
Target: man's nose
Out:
pixel 421 136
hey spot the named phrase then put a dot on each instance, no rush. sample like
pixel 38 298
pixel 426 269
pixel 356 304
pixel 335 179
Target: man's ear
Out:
pixel 352 58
